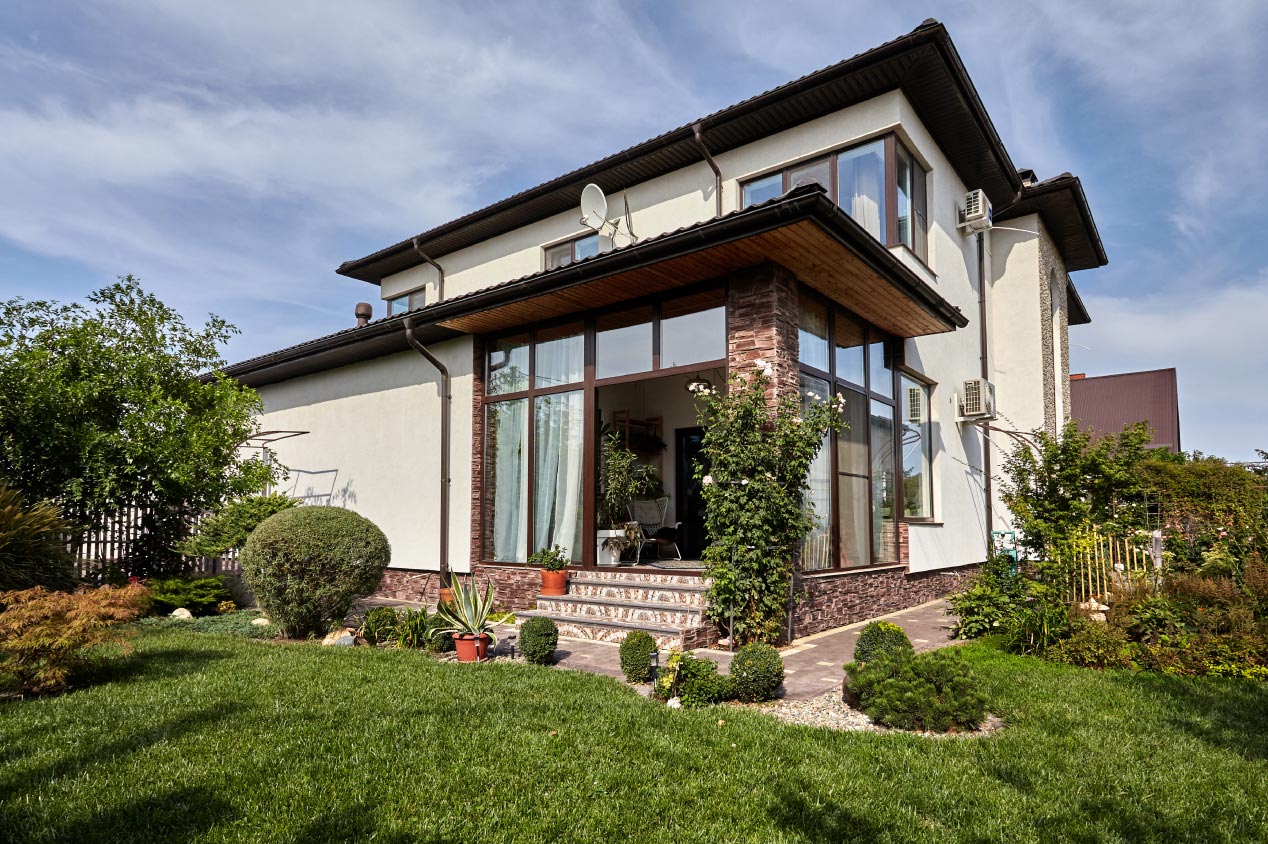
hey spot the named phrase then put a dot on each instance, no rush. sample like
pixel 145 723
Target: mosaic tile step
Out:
pixel 666 578
pixel 657 614
pixel 606 631
pixel 680 596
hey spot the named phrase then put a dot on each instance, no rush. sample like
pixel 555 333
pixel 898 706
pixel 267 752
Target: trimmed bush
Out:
pixel 46 636
pixel 538 638
pixel 881 637
pixel 378 625
pixel 31 552
pixel 757 672
pixel 307 565
pixel 200 595
pixel 636 656
pixel 932 691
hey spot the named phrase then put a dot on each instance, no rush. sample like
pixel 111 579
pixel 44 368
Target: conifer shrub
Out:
pixel 200 595
pixel 934 691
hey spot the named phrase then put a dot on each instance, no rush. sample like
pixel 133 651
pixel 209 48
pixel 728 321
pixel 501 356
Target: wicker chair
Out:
pixel 650 515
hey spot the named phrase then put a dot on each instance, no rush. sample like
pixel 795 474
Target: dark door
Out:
pixel 688 446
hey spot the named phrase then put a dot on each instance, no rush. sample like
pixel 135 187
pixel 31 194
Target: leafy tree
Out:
pixel 758 457
pixel 107 406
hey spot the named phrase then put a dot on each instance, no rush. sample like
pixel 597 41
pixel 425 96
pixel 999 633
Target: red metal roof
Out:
pixel 1104 404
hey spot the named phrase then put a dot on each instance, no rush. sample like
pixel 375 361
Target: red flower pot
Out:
pixel 446 595
pixel 471 648
pixel 554 582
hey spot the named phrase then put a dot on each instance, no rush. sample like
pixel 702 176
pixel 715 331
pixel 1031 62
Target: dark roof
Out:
pixel 1104 404
pixel 386 335
pixel 924 64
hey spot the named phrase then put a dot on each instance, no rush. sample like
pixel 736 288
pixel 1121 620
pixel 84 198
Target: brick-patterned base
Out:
pixel 834 600
pixel 514 588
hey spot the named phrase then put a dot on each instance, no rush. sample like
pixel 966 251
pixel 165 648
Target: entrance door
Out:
pixel 688 451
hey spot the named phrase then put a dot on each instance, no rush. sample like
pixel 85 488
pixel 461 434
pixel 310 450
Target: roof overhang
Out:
pixel 923 64
pixel 803 231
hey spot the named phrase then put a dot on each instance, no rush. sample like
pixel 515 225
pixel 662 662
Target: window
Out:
pixel 561 355
pixel 917 450
pixel 884 536
pixel 563 254
pixel 507 367
pixel 849 349
pixel 856 179
pixel 623 343
pixel 816 551
pixel 406 302
pixel 853 531
pixel 880 355
pixel 691 331
pixel 557 479
pixel 506 480
pixel 812 332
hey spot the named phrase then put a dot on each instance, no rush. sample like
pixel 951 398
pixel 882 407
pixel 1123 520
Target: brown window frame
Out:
pixel 930 386
pixel 571 243
pixel 411 298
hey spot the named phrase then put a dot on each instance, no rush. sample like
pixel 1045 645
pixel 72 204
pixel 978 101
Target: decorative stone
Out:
pixel 181 612
pixel 674 703
pixel 261 622
pixel 1097 616
pixel 346 640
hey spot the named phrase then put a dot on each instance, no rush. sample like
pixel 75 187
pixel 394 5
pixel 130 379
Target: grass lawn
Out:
pixel 209 738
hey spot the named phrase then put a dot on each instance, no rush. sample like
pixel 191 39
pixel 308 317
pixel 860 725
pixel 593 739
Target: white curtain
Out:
pixel 558 478
pixel 507 423
pixel 560 361
pixel 862 177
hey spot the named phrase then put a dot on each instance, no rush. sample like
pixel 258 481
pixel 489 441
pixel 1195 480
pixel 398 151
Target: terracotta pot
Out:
pixel 554 582
pixel 446 595
pixel 470 647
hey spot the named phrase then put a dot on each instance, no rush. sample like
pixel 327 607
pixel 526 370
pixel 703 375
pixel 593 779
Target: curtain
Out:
pixel 861 189
pixel 557 481
pixel 507 478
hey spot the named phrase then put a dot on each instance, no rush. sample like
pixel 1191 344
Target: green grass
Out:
pixel 213 738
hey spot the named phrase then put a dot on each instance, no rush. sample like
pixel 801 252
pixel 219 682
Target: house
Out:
pixel 1105 404
pixel 826 226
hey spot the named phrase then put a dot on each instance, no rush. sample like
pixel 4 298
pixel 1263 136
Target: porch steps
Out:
pixel 607 605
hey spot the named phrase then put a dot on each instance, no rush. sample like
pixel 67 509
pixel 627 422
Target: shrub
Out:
pixel 229 527
pixel 1204 591
pixel 31 552
pixel 880 637
pixel 438 640
pixel 991 601
pixel 226 607
pixel 308 564
pixel 693 680
pixel 1092 645
pixel 1153 618
pixel 378 625
pixel 538 638
pixel 933 691
pixel 411 628
pixel 757 672
pixel 1255 577
pixel 636 656
pixel 199 595
pixel 1039 626
pixel 45 636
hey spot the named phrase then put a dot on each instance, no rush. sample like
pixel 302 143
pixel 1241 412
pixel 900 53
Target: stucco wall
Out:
pixel 373 446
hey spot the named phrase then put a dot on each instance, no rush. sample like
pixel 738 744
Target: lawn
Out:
pixel 210 738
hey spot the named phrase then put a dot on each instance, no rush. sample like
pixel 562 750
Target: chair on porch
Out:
pixel 650 515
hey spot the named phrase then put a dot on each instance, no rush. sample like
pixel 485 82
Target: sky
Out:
pixel 232 154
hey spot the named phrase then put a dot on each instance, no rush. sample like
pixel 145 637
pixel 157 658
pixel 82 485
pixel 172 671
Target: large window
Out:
pixel 506 479
pixel 623 343
pixel 558 441
pixel 879 183
pixel 816 551
pixel 917 450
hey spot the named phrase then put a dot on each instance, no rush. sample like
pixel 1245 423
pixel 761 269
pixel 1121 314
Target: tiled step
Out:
pixel 665 593
pixel 629 577
pixel 606 631
pixel 590 608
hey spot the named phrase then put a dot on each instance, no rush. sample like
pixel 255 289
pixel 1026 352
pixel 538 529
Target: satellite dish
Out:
pixel 594 207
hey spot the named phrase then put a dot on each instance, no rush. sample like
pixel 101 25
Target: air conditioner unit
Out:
pixel 977 400
pixel 915 406
pixel 977 211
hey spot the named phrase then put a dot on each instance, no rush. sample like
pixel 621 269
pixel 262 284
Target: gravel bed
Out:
pixel 830 711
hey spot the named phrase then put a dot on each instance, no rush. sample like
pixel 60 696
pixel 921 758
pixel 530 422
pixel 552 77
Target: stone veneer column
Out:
pixel 762 324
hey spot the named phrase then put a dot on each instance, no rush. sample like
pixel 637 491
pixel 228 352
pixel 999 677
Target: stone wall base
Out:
pixel 514 588
pixel 822 602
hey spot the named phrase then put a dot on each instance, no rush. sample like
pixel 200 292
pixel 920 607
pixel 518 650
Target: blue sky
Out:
pixel 232 154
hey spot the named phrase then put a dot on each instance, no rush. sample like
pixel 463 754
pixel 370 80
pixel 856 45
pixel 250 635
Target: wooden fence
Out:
pixel 113 545
pixel 1101 561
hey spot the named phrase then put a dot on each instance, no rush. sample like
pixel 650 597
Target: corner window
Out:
pixel 917 450
pixel 563 254
pixel 399 305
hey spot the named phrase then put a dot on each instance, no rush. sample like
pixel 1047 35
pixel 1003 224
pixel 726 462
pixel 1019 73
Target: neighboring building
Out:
pixel 816 226
pixel 1105 404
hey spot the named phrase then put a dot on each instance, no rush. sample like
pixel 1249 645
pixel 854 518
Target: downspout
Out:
pixel 446 403
pixel 713 165
pixel 440 281
pixel 987 484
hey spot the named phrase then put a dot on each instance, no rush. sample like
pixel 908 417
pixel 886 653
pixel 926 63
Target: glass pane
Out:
pixel 920 201
pixel 884 536
pixel 849 342
pixel 861 186
pixel 816 549
pixel 881 357
pixel 917 449
pixel 559 256
pixel 399 305
pixel 816 171
pixel 624 343
pixel 693 337
pixel 852 521
pixel 561 355
pixel 763 189
pixel 813 333
pixel 507 370
pixel 506 481
pixel 903 211
pixel 852 439
pixel 558 477
pixel 586 247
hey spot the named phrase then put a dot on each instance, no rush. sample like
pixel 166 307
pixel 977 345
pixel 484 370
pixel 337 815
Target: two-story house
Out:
pixel 837 227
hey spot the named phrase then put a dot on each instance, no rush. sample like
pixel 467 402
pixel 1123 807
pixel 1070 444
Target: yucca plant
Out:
pixel 468 612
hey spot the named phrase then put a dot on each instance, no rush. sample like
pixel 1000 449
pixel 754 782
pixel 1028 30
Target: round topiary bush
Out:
pixel 757 672
pixel 538 638
pixel 636 656
pixel 307 565
pixel 881 637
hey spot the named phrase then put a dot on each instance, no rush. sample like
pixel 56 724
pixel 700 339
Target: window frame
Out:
pixel 571 243
pixel 414 299
pixel 930 387
pixel 919 249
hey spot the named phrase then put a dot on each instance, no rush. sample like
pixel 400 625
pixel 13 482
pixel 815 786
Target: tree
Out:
pixel 107 406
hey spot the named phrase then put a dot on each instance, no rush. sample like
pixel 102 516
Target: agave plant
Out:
pixel 469 610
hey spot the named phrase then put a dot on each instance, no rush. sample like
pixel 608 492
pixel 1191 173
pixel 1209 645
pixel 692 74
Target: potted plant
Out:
pixel 623 479
pixel 553 563
pixel 466 618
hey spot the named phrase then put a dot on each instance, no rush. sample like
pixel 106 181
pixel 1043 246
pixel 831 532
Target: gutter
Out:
pixel 446 407
pixel 698 134
pixel 440 283
pixel 988 485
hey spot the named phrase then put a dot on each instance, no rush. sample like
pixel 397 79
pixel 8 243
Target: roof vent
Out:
pixel 364 313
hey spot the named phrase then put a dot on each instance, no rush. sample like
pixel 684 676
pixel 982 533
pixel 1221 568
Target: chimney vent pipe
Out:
pixel 364 313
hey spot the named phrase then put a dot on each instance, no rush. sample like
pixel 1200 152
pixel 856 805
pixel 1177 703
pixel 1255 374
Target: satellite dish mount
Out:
pixel 594 214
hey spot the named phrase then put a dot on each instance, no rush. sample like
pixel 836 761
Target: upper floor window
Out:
pixel 880 184
pixel 563 254
pixel 406 302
